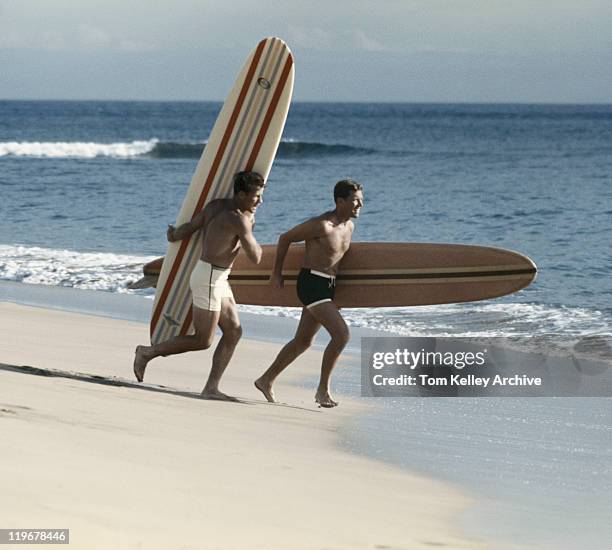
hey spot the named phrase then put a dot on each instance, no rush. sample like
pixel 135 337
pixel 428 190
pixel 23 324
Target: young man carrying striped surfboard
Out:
pixel 226 225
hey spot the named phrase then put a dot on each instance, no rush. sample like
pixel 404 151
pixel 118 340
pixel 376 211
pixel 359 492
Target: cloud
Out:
pixel 312 38
pixel 53 41
pixel 93 37
pixel 364 42
pixel 135 46
pixel 317 38
pixel 47 40
pixel 96 38
pixel 11 39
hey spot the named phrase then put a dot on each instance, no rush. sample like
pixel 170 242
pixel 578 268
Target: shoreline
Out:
pixel 88 206
pixel 417 437
pixel 87 431
pixel 132 307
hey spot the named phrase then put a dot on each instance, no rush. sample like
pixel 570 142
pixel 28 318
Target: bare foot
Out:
pixel 266 389
pixel 325 400
pixel 140 362
pixel 217 395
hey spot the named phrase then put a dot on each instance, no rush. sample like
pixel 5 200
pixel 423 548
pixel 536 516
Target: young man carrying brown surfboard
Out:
pixel 226 225
pixel 327 238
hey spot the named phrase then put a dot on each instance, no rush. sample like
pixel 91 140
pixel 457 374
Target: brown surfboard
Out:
pixel 386 274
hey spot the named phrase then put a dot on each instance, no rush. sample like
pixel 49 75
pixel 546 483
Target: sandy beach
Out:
pixel 154 466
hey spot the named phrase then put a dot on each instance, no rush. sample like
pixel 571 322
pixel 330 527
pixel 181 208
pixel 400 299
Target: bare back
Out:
pixel 328 243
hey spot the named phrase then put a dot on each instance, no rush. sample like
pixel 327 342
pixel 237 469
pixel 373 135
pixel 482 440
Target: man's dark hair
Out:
pixel 245 181
pixel 344 188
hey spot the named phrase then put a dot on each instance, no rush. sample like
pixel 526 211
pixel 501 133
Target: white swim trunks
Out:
pixel 209 285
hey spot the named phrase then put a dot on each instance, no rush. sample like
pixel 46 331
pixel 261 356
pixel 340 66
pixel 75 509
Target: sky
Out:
pixel 541 51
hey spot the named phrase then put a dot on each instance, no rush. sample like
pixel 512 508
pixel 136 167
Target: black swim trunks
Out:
pixel 315 287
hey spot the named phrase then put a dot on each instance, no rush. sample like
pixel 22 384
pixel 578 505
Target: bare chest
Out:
pixel 336 242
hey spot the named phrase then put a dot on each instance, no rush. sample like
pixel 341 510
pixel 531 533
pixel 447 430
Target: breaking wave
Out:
pixel 68 268
pixel 110 272
pixel 84 150
pixel 154 148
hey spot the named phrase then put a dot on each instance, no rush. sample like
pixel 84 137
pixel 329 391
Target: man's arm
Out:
pixel 187 229
pixel 247 239
pixel 308 230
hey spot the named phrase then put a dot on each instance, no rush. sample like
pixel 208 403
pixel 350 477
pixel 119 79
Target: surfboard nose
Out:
pixel 535 271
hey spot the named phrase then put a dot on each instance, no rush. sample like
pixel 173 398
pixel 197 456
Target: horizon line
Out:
pixel 321 101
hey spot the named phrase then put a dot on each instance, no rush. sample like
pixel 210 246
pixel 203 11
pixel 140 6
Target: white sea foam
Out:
pixel 155 148
pixel 76 149
pixel 113 272
pixel 87 270
pixel 483 319
pixel 474 320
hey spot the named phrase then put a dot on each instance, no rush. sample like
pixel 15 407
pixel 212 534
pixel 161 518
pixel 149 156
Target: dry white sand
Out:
pixel 129 467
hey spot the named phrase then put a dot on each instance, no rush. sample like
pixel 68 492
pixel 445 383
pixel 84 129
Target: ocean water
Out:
pixel 87 189
pixel 540 468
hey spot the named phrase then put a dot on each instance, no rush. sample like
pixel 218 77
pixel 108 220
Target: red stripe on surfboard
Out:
pixel 271 110
pixel 230 126
pixel 211 174
pixel 256 147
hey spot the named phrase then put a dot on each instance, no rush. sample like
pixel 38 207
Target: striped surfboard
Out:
pixel 245 137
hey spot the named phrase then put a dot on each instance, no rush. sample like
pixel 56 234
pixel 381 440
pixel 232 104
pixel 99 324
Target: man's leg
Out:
pixel 204 322
pixel 302 340
pixel 328 315
pixel 232 331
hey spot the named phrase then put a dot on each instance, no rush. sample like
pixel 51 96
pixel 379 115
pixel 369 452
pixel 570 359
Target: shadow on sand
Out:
pixel 120 382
